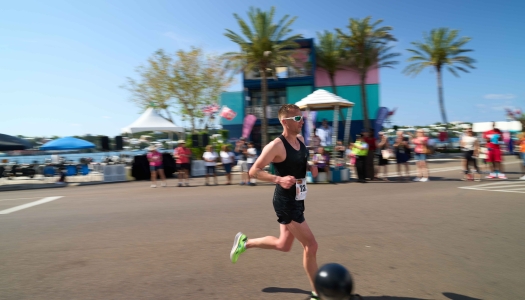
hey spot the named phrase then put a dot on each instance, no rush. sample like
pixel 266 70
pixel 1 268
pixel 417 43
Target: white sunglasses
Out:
pixel 296 118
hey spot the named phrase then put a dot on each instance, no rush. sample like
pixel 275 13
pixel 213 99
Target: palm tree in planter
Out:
pixel 367 49
pixel 330 55
pixel 440 49
pixel 265 45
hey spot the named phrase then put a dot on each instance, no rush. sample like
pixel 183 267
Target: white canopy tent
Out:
pixel 513 126
pixel 150 120
pixel 324 100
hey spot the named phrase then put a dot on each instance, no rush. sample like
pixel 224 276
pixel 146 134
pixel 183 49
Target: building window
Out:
pixel 274 96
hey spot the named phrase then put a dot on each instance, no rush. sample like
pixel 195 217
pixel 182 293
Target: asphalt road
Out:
pixel 444 239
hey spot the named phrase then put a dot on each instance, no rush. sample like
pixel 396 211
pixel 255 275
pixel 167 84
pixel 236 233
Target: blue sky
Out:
pixel 62 62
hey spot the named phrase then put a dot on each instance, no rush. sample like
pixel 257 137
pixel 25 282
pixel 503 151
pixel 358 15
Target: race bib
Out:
pixel 300 189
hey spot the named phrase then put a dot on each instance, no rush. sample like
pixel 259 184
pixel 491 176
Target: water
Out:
pixel 75 157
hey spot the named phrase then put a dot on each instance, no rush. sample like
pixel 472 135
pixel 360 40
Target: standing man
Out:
pixel 369 138
pixel 521 143
pixel 241 149
pixel 325 134
pixel 493 138
pixel 360 149
pixel 290 158
pixel 182 159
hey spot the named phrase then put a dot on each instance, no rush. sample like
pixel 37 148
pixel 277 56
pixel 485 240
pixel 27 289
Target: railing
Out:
pixel 271 111
pixel 282 72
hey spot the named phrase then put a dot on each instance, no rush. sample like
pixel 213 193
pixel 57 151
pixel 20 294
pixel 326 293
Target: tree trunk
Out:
pixel 332 80
pixel 264 104
pixel 440 95
pixel 364 102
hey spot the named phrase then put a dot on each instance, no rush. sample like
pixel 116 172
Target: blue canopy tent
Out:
pixel 67 143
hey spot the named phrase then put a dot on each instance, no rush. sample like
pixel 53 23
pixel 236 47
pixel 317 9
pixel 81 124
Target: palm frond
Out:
pixel 440 47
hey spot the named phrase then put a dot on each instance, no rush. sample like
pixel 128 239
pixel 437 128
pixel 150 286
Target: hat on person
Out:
pixel 181 142
pixel 152 148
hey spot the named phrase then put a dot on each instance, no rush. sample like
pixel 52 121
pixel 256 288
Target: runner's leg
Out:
pixel 305 236
pixel 283 243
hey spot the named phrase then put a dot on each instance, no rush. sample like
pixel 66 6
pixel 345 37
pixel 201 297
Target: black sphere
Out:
pixel 333 282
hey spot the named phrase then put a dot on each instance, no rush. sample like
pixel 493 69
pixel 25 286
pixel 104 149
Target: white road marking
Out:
pixel 27 205
pixel 504 187
pixel 14 199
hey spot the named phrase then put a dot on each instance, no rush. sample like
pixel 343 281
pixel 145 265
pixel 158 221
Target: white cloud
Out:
pixel 499 96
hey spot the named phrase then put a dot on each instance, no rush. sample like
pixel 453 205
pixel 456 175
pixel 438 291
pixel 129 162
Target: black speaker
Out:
pixel 118 143
pixel 104 143
pixel 205 139
pixel 195 140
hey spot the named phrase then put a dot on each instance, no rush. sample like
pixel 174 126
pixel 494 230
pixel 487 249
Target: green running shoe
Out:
pixel 314 296
pixel 239 246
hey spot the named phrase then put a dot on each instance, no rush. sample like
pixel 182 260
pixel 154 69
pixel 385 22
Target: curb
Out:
pixel 19 187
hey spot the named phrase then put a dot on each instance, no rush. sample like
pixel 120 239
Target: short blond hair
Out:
pixel 283 111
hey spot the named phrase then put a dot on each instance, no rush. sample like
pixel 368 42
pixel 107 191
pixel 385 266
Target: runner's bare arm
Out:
pixel 267 156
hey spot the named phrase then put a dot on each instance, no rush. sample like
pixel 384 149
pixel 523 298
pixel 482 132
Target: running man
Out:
pixel 290 158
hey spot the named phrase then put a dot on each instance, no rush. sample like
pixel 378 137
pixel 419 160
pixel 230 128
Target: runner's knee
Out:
pixel 311 248
pixel 284 247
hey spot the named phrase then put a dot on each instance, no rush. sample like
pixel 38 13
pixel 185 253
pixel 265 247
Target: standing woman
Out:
pixel 155 166
pixel 384 151
pixel 420 141
pixel 402 154
pixel 210 161
pixel 470 144
pixel 227 158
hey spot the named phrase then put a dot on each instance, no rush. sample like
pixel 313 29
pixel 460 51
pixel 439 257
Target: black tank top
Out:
pixel 294 165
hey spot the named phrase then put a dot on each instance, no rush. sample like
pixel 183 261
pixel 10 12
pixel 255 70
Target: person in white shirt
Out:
pixel 325 134
pixel 227 158
pixel 252 157
pixel 210 161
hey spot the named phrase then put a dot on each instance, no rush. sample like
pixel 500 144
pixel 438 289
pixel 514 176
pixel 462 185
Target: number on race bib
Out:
pixel 300 189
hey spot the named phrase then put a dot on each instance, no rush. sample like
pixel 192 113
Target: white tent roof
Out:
pixel 151 121
pixel 504 126
pixel 323 100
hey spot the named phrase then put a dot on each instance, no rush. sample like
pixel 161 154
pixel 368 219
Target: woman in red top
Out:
pixel 182 159
pixel 420 150
pixel 155 166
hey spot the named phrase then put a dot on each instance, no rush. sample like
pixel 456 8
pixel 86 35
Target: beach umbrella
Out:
pixel 67 143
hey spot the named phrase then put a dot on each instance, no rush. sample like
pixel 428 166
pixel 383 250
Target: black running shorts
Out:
pixel 288 211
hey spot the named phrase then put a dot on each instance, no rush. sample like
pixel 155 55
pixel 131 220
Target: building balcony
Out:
pixel 271 111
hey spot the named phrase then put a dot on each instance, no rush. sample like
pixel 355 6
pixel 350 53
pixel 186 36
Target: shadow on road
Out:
pixel 454 296
pixel 273 290
pixel 451 296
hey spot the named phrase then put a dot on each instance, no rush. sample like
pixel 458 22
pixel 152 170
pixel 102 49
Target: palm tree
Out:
pixel 265 46
pixel 367 48
pixel 438 50
pixel 330 55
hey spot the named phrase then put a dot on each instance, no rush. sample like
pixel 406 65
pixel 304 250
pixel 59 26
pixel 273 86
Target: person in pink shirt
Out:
pixel 182 159
pixel 155 166
pixel 420 154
